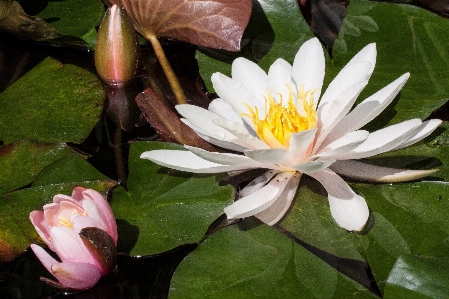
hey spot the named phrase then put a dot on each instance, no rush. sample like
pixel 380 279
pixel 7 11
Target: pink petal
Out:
pixel 76 275
pixel 68 245
pixel 275 212
pixel 79 222
pixel 40 224
pixel 260 200
pixel 105 210
pixel 77 193
pixel 348 209
pixel 46 260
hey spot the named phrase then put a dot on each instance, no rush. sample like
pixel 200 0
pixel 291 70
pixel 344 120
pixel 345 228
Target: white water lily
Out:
pixel 274 121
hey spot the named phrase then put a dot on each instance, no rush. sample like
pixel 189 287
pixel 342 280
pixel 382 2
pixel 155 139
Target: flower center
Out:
pixel 281 120
pixel 64 220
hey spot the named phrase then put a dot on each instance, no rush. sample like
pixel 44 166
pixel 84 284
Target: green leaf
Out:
pixel 74 17
pixel 165 207
pixel 276 30
pixel 21 162
pixel 418 278
pixel 51 103
pixel 406 219
pixel 309 220
pixel 255 261
pixel 409 39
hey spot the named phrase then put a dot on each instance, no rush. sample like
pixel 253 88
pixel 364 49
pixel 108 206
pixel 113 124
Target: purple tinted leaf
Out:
pixel 215 24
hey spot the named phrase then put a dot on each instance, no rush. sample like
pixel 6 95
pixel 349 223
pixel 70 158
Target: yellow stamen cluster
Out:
pixel 281 121
pixel 66 222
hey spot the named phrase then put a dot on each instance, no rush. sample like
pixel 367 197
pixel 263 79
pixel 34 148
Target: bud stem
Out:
pixel 168 70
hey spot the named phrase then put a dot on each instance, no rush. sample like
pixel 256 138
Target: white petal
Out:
pixel 345 144
pixel 219 107
pixel 188 161
pixel 242 133
pixel 348 209
pixel 368 54
pixel 372 173
pixel 367 110
pixel 308 67
pixel 257 183
pixel 273 214
pixel 219 158
pixel 279 76
pixel 259 200
pixel 347 78
pixel 205 122
pixel 235 94
pixel 312 166
pixel 337 111
pixel 300 144
pixel 251 76
pixel 383 140
pixel 269 156
pixel 230 145
pixel 424 130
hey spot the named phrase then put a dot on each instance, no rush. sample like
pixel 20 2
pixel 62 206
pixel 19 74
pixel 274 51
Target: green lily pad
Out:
pixel 406 219
pixel 21 162
pixel 408 39
pixel 310 220
pixel 76 18
pixel 418 277
pixel 166 208
pixel 255 261
pixel 51 103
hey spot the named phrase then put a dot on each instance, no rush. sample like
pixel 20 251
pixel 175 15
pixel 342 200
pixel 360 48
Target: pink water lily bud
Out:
pixel 116 51
pixel 82 231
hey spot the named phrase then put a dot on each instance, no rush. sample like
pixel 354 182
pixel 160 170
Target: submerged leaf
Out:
pixel 216 24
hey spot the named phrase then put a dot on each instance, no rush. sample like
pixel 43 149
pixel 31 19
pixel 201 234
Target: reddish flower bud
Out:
pixel 116 51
